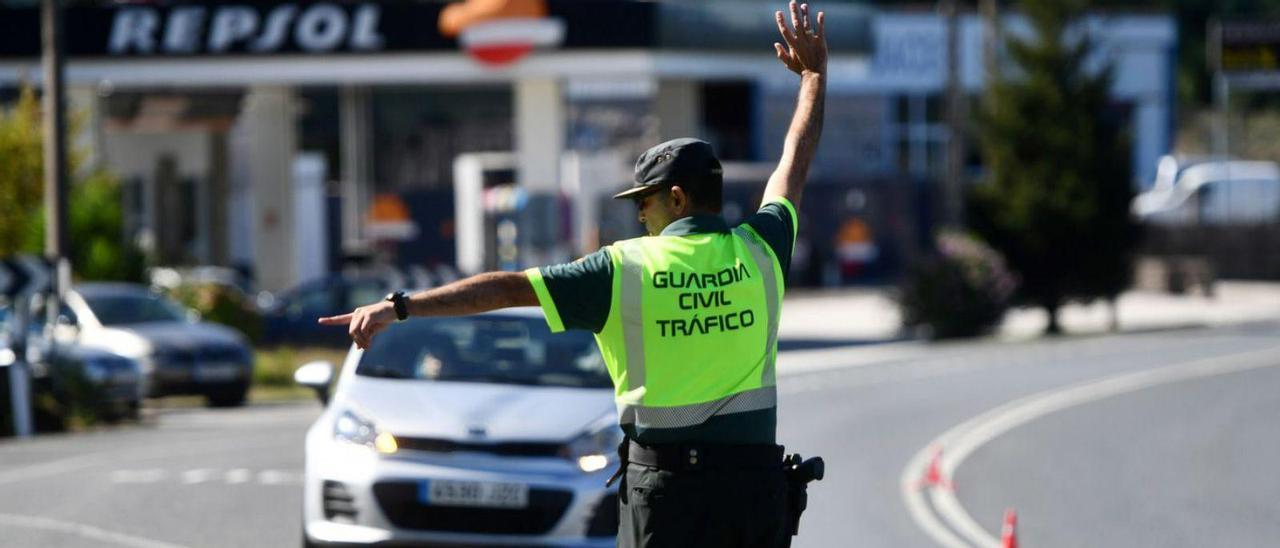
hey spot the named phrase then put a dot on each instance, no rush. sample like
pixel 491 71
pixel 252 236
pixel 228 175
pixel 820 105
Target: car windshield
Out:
pixel 495 349
pixel 131 309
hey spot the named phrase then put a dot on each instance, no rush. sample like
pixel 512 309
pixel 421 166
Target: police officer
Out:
pixel 686 320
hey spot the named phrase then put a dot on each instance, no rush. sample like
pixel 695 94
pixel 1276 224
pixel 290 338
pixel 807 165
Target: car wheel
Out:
pixel 133 411
pixel 232 396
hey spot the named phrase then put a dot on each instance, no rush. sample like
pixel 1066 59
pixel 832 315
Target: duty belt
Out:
pixel 696 456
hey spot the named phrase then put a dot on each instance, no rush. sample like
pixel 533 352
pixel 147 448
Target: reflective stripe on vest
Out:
pixel 630 408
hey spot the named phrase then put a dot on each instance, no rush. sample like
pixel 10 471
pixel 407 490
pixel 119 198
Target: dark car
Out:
pixel 112 382
pixel 292 318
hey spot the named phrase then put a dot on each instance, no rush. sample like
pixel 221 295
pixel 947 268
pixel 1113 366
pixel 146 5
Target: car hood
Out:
pixel 169 336
pixel 452 410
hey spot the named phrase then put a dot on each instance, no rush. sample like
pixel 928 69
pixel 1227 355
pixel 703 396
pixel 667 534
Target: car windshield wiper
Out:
pixel 381 372
pixel 530 380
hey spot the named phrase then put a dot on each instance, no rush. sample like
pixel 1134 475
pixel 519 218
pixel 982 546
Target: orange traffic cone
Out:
pixel 933 475
pixel 1009 535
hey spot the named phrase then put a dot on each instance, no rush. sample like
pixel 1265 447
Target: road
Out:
pixel 1157 439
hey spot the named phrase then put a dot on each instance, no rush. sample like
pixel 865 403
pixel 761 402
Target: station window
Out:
pixel 319 128
pixel 728 119
pixel 419 131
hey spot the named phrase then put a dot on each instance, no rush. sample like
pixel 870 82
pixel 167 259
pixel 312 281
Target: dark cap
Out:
pixel 687 162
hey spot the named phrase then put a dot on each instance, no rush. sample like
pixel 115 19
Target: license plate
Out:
pixel 213 372
pixel 441 492
pixel 124 377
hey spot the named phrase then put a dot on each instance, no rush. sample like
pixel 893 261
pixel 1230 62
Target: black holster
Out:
pixel 799 473
pixel 623 459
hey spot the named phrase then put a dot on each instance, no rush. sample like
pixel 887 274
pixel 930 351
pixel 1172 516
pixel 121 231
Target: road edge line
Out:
pixel 966 437
pixel 82 530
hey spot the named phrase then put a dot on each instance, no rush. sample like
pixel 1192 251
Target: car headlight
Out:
pixel 597 447
pixel 352 428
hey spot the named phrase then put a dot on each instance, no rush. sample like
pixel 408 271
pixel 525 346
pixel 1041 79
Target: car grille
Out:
pixel 338 503
pixel 399 502
pixel 604 520
pixel 506 449
pixel 224 354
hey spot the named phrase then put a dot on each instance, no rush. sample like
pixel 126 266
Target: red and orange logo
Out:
pixel 499 32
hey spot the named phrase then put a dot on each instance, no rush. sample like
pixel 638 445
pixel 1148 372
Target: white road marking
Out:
pixel 150 475
pixel 963 439
pixel 80 462
pixel 280 477
pixel 81 530
pixel 238 475
pixel 198 475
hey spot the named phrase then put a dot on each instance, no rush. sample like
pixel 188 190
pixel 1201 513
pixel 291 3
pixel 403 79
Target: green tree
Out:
pixel 95 214
pixel 21 169
pixel 1056 197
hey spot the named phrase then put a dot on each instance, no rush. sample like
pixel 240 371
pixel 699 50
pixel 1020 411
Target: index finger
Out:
pixel 822 24
pixel 342 319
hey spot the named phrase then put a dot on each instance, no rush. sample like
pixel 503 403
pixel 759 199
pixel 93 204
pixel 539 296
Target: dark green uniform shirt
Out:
pixel 582 291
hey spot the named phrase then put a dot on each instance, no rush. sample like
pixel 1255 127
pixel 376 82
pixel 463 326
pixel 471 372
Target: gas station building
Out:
pixel 287 137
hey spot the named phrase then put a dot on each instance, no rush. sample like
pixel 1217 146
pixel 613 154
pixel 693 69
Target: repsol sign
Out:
pixel 331 27
pixel 197 29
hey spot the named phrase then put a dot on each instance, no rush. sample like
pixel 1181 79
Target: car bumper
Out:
pixel 168 380
pixel 354 496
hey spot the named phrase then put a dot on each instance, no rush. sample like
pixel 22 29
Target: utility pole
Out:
pixel 953 188
pixel 55 140
pixel 55 187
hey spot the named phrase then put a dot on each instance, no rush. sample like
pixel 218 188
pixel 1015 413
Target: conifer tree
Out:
pixel 1055 200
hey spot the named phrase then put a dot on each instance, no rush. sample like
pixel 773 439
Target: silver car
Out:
pixel 481 430
pixel 178 353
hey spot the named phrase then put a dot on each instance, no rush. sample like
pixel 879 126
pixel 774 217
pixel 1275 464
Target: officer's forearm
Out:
pixel 479 293
pixel 802 140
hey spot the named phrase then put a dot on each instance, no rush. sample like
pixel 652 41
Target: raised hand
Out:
pixel 805 47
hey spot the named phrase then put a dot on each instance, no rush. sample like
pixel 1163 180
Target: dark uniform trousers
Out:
pixel 707 508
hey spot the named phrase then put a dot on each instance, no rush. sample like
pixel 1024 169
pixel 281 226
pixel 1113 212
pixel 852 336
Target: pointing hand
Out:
pixel 364 322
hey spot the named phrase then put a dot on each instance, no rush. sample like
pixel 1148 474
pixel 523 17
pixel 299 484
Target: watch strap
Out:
pixel 401 304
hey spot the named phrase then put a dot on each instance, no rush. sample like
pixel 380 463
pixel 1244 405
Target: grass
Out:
pixel 272 376
pixel 274 367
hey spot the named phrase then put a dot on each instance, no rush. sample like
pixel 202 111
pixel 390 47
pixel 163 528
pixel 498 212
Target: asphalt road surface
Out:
pixel 1161 439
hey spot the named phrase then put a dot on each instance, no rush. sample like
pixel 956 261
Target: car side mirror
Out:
pixel 317 376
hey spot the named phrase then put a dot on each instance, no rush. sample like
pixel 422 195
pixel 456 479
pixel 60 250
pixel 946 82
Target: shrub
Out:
pixel 221 304
pixel 960 290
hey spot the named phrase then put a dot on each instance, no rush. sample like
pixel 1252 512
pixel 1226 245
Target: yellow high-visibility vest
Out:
pixel 692 331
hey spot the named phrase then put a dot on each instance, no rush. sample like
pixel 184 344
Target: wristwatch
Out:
pixel 401 303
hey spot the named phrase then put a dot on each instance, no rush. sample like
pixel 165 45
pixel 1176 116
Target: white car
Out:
pixel 480 430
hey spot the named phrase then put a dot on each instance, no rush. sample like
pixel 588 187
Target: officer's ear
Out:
pixel 679 200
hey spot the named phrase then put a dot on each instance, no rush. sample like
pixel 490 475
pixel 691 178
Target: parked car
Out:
pixel 178 353
pixel 67 371
pixel 1190 192
pixel 116 381
pixel 291 318
pixel 481 430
